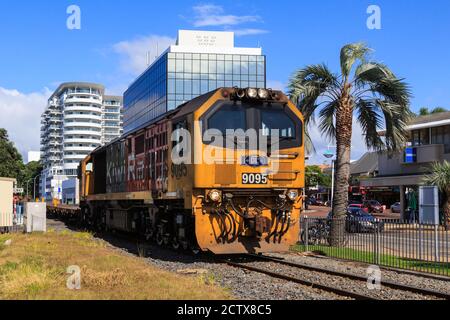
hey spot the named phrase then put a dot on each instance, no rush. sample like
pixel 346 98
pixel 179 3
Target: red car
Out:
pixel 358 205
pixel 373 206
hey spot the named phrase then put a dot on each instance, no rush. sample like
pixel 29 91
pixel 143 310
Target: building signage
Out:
pixel 18 190
pixel 410 155
pixel 205 39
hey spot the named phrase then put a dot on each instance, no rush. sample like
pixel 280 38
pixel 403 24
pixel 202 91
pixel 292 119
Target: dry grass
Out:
pixel 34 267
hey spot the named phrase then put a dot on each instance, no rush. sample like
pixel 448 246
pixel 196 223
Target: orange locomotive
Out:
pixel 248 200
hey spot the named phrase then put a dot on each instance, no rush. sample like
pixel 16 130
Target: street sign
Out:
pixel 18 190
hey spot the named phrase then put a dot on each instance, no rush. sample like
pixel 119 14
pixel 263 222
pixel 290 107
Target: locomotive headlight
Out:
pixel 292 195
pixel 263 94
pixel 215 195
pixel 252 93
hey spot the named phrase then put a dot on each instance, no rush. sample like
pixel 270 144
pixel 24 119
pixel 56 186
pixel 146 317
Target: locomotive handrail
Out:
pixel 296 173
pixel 293 155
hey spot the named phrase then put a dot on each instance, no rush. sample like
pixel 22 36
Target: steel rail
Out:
pixel 311 284
pixel 387 283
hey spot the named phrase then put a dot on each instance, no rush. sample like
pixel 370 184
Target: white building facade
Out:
pixel 78 119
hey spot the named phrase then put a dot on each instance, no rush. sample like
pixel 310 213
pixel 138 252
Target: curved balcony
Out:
pixel 82 140
pixel 84 108
pixel 82 125
pixel 85 150
pixel 82 132
pixel 75 100
pixel 75 156
pixel 82 117
pixel 54 151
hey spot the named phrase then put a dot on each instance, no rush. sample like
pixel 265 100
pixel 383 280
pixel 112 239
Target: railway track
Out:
pixel 354 292
pixel 314 285
pixel 355 277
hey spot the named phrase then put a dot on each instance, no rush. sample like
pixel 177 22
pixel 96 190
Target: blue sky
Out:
pixel 38 51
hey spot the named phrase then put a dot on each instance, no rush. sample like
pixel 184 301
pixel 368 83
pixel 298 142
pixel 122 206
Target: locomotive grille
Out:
pixel 225 174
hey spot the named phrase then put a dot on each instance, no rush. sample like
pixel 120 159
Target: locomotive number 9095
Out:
pixel 254 178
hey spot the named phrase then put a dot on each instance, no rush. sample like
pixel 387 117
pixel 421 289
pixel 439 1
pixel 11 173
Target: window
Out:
pixel 277 120
pixel 262 117
pixel 228 117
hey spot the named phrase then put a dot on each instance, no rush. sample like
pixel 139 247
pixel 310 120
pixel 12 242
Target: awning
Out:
pixel 393 181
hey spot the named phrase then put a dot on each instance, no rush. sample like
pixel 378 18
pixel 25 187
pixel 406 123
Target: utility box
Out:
pixel 429 205
pixel 35 217
pixel 6 202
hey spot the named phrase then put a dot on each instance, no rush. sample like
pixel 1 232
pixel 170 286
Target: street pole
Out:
pixel 34 187
pixel 332 184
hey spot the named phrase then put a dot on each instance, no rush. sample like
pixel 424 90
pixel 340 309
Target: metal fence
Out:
pixel 390 243
pixel 13 229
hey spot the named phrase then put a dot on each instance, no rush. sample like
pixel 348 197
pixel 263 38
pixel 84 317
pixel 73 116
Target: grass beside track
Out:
pixel 385 260
pixel 34 267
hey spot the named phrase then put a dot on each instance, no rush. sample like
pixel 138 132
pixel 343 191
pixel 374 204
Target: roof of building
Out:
pixel 430 118
pixel 65 85
pixel 428 121
pixel 368 163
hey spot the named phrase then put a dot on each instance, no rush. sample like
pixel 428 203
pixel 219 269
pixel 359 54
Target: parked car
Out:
pixel 396 207
pixel 359 221
pixel 315 202
pixel 373 206
pixel 357 205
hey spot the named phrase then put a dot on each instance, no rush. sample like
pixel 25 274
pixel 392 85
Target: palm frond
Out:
pixel 350 53
pixel 379 91
pixel 308 85
pixel 327 120
pixel 440 176
pixel 371 121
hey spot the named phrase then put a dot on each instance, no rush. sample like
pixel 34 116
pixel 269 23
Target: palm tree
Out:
pixel 367 90
pixel 440 177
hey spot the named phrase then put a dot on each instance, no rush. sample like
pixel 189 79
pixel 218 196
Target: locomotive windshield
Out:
pixel 277 120
pixel 261 116
pixel 228 117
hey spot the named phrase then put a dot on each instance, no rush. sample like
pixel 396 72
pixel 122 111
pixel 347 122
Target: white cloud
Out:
pixel 210 15
pixel 249 32
pixel 21 116
pixel 134 53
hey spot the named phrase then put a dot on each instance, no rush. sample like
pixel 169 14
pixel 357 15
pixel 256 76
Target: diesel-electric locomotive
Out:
pixel 245 201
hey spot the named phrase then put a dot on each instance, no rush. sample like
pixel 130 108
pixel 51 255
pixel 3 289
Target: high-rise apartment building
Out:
pixel 78 119
pixel 200 62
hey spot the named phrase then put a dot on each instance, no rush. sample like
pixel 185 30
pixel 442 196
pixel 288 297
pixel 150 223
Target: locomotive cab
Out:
pixel 247 187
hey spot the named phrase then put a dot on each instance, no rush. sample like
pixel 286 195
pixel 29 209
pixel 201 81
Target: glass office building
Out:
pixel 190 69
